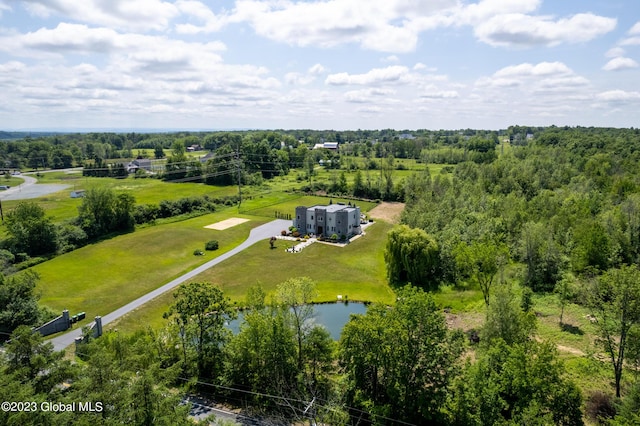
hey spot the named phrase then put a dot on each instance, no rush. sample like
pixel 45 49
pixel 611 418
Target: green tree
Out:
pixel 296 295
pixel 541 255
pixel 30 231
pixel 412 256
pixel 158 152
pixel 400 360
pixel 481 261
pixel 19 301
pixel 614 299
pixel 262 356
pixel 506 320
pixel 103 211
pixel 521 384
pixel 176 166
pixel 200 312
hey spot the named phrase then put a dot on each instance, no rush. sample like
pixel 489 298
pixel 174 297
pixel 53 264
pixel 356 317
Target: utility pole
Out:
pixel 239 190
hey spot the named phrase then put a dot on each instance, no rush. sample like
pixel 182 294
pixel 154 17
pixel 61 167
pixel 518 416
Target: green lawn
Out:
pixel 60 206
pixel 104 276
pixel 356 271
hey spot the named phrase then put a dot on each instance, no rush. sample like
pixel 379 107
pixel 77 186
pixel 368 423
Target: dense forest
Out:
pixel 514 213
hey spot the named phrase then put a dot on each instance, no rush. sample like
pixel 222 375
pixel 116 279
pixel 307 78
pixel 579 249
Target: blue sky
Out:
pixel 323 64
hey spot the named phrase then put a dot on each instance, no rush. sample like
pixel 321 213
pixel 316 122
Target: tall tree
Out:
pixel 296 295
pixel 614 299
pixel 399 361
pixel 30 230
pixel 521 384
pixel 200 312
pixel 481 261
pixel 103 211
pixel 19 301
pixel 412 256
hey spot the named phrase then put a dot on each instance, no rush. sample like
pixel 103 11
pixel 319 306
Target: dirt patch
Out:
pixel 389 212
pixel 225 224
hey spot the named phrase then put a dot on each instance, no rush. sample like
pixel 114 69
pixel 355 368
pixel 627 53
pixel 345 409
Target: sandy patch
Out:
pixel 228 223
pixel 389 212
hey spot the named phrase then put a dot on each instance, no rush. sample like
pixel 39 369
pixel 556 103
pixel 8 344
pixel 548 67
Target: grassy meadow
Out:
pixel 104 276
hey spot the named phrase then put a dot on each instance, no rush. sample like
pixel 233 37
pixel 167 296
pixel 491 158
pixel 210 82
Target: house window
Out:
pixel 312 217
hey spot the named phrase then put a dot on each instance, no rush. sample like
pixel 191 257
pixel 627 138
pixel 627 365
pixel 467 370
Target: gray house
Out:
pixel 339 219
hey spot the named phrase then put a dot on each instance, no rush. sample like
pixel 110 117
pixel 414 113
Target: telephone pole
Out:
pixel 239 190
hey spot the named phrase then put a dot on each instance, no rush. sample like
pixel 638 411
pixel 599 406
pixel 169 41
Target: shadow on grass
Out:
pixel 570 328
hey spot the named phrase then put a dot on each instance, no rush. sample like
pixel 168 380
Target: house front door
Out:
pixel 320 230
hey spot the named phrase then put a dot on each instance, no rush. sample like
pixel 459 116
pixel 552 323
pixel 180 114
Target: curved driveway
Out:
pixel 31 189
pixel 259 233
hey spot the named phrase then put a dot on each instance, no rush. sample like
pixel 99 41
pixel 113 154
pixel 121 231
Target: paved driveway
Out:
pixel 259 233
pixel 30 189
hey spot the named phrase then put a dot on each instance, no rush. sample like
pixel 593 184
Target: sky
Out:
pixel 321 64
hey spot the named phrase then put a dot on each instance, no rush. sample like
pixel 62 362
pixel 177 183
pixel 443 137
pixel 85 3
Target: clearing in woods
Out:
pixel 389 212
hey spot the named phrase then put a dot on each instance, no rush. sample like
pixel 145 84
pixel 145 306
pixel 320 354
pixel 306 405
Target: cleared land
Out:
pixel 389 212
pixel 102 277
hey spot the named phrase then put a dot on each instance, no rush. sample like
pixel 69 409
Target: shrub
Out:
pixel 283 233
pixel 198 252
pixel 600 407
pixel 211 245
pixel 296 234
pixel 334 237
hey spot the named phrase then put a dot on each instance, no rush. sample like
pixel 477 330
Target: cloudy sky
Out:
pixel 321 64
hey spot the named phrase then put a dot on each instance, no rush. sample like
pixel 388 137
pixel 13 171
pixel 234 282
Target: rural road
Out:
pixel 259 233
pixel 31 189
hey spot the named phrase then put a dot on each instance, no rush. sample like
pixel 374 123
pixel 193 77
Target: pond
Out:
pixel 332 315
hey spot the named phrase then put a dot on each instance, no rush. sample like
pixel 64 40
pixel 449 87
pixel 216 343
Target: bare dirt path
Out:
pixel 389 212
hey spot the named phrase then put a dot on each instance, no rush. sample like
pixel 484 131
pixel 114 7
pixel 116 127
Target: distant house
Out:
pixel 139 163
pixel 339 219
pixel 78 193
pixel 408 136
pixel 327 145
pixel 194 148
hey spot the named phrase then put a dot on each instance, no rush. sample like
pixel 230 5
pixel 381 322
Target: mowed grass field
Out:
pixel 356 271
pixel 102 277
pixel 60 206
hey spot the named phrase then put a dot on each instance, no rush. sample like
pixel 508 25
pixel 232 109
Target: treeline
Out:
pixel 32 236
pixel 398 364
pixel 57 151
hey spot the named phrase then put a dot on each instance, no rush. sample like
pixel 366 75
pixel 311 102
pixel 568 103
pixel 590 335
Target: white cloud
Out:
pixel 298 79
pixel 526 31
pixel 392 74
pixel 202 13
pixel 527 69
pixel 618 96
pixel 440 94
pixel 4 6
pixel 620 63
pixel 631 41
pixel 80 39
pixel 317 69
pixel 614 52
pixel 138 15
pixel 372 24
pixel 391 58
pixel 635 30
pixel 368 95
pixel 546 79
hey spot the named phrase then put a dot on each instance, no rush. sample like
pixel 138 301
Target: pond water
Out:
pixel 332 315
